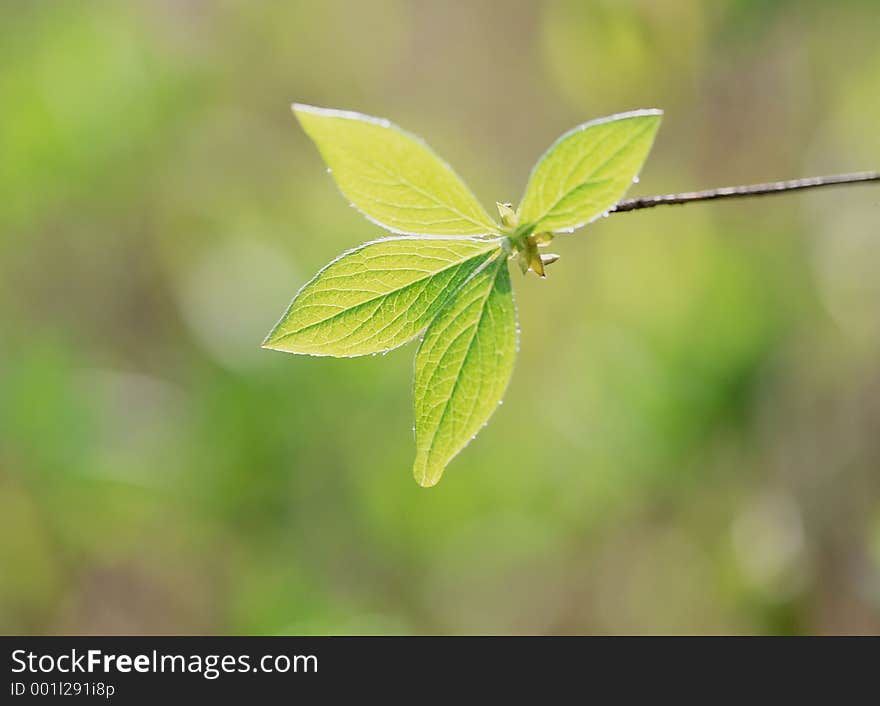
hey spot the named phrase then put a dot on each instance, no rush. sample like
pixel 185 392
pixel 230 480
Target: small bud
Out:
pixel 508 215
pixel 542 239
pixel 528 254
pixel 536 263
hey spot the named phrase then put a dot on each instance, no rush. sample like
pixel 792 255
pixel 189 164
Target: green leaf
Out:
pixel 378 296
pixel 393 177
pixel 588 170
pixel 462 368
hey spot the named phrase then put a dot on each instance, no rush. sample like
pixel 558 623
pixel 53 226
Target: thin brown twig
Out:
pixel 737 192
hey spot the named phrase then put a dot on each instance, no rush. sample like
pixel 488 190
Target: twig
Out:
pixel 737 192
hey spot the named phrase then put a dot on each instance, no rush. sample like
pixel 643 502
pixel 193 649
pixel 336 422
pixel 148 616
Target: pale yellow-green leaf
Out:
pixel 378 296
pixel 462 368
pixel 393 177
pixel 588 170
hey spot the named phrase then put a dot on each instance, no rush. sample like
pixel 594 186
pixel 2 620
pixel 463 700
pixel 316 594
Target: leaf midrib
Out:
pixel 431 197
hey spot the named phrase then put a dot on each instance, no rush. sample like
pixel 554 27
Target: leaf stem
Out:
pixel 736 192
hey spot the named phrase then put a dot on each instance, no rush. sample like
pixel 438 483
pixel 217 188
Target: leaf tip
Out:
pixel 656 113
pixel 302 111
pixel 642 112
pixel 427 481
pixel 426 473
pixel 269 342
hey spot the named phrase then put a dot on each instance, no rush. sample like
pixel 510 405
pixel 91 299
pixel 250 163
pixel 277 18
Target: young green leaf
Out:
pixel 462 368
pixel 393 177
pixel 587 171
pixel 378 296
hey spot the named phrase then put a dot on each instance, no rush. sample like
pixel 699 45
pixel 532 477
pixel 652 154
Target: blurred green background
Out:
pixel 691 441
